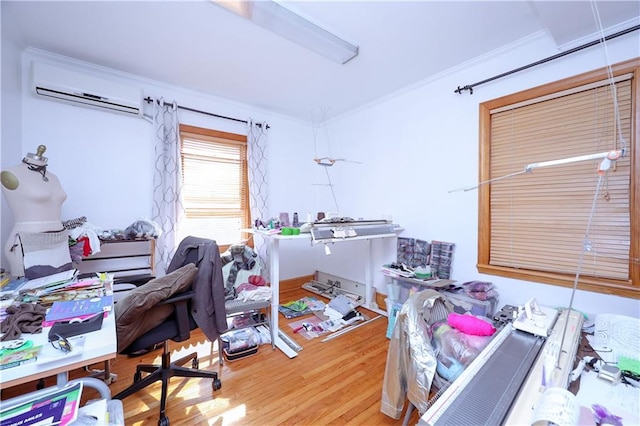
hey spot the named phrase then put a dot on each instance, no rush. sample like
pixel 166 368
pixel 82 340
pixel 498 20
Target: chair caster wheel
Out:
pixel 216 384
pixel 164 421
pixel 137 376
pixel 195 363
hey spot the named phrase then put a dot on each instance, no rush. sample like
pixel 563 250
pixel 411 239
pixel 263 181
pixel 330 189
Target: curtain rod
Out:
pixel 470 87
pixel 148 99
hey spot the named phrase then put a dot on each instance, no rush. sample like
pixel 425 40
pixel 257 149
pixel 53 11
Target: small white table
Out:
pixel 99 346
pixel 274 267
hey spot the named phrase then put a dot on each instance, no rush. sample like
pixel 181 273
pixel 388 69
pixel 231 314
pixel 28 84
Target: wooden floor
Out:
pixel 338 382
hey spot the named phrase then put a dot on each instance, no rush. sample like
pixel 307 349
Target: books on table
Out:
pixel 14 285
pixel 79 308
pixel 25 354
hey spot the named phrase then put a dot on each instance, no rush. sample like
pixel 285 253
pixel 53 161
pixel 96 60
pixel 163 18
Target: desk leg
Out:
pixel 63 378
pixel 368 277
pixel 274 268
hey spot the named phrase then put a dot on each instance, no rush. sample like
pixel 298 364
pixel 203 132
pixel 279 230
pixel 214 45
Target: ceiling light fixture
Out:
pixel 282 21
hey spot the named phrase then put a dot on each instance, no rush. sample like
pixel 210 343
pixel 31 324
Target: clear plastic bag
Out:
pixel 241 340
pixel 453 352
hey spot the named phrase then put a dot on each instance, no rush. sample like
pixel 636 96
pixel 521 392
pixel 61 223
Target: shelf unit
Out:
pixel 123 258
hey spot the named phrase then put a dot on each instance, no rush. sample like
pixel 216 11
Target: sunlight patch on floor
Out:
pixel 219 411
pixel 207 353
pixel 229 417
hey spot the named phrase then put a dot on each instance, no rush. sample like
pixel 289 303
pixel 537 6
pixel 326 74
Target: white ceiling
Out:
pixel 199 45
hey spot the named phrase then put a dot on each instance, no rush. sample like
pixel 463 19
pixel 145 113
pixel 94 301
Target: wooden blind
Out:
pixel 539 219
pixel 215 185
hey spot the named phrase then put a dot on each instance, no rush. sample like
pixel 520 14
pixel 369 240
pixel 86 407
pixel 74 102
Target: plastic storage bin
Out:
pixel 463 303
pixel 398 291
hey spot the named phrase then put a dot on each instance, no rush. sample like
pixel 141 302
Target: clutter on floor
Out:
pixel 330 286
pixel 238 344
pixel 321 318
pixel 301 307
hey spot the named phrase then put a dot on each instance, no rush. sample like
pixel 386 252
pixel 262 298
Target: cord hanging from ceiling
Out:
pixel 324 161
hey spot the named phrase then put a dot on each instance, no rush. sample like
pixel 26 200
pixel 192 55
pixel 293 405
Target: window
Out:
pixel 532 225
pixel 215 186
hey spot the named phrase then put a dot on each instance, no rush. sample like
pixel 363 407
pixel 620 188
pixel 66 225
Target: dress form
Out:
pixel 35 197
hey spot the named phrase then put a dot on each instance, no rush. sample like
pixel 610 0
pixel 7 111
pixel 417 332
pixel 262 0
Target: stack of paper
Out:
pixel 61 287
pixel 60 278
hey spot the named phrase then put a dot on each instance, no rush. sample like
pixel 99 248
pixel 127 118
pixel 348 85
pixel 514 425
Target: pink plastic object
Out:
pixel 257 280
pixel 469 324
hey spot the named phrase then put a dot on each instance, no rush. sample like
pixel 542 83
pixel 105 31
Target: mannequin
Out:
pixel 35 197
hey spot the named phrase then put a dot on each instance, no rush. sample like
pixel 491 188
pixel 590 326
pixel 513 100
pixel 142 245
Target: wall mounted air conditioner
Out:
pixel 56 83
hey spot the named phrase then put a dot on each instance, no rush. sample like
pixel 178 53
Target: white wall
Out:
pixel 422 143
pixel 10 114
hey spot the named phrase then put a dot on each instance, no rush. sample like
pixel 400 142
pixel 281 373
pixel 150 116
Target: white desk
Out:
pixel 99 346
pixel 274 268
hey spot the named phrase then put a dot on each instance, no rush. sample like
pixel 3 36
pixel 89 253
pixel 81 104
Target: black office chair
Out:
pixel 155 313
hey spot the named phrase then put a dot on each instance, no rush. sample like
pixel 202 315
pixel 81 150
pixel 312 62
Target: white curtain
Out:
pixel 168 209
pixel 258 186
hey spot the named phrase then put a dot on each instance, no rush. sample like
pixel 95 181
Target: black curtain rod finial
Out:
pixel 467 87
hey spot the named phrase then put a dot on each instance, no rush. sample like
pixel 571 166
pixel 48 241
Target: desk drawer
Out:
pixel 122 258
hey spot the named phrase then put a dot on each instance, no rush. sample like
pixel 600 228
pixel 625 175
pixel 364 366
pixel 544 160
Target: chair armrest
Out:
pixel 181 312
pixel 179 297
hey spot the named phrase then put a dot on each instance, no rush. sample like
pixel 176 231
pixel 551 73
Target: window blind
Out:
pixel 215 185
pixel 539 219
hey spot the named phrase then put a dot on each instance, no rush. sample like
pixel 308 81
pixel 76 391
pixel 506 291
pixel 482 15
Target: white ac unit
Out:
pixel 64 85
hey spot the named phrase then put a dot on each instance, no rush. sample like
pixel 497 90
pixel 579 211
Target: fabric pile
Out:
pixel 85 235
pixel 23 318
pixel 241 272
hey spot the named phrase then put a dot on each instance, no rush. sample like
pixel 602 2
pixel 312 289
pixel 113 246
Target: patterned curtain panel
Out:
pixel 258 186
pixel 168 209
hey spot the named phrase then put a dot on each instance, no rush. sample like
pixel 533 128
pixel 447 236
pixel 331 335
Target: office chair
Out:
pixel 166 308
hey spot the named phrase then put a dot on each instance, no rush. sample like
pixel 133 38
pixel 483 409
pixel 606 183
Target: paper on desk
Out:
pixel 60 277
pixel 615 336
pixel 621 400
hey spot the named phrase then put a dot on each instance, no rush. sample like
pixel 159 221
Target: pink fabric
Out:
pixel 470 324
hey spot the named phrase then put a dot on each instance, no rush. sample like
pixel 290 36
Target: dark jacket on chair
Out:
pixel 207 307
